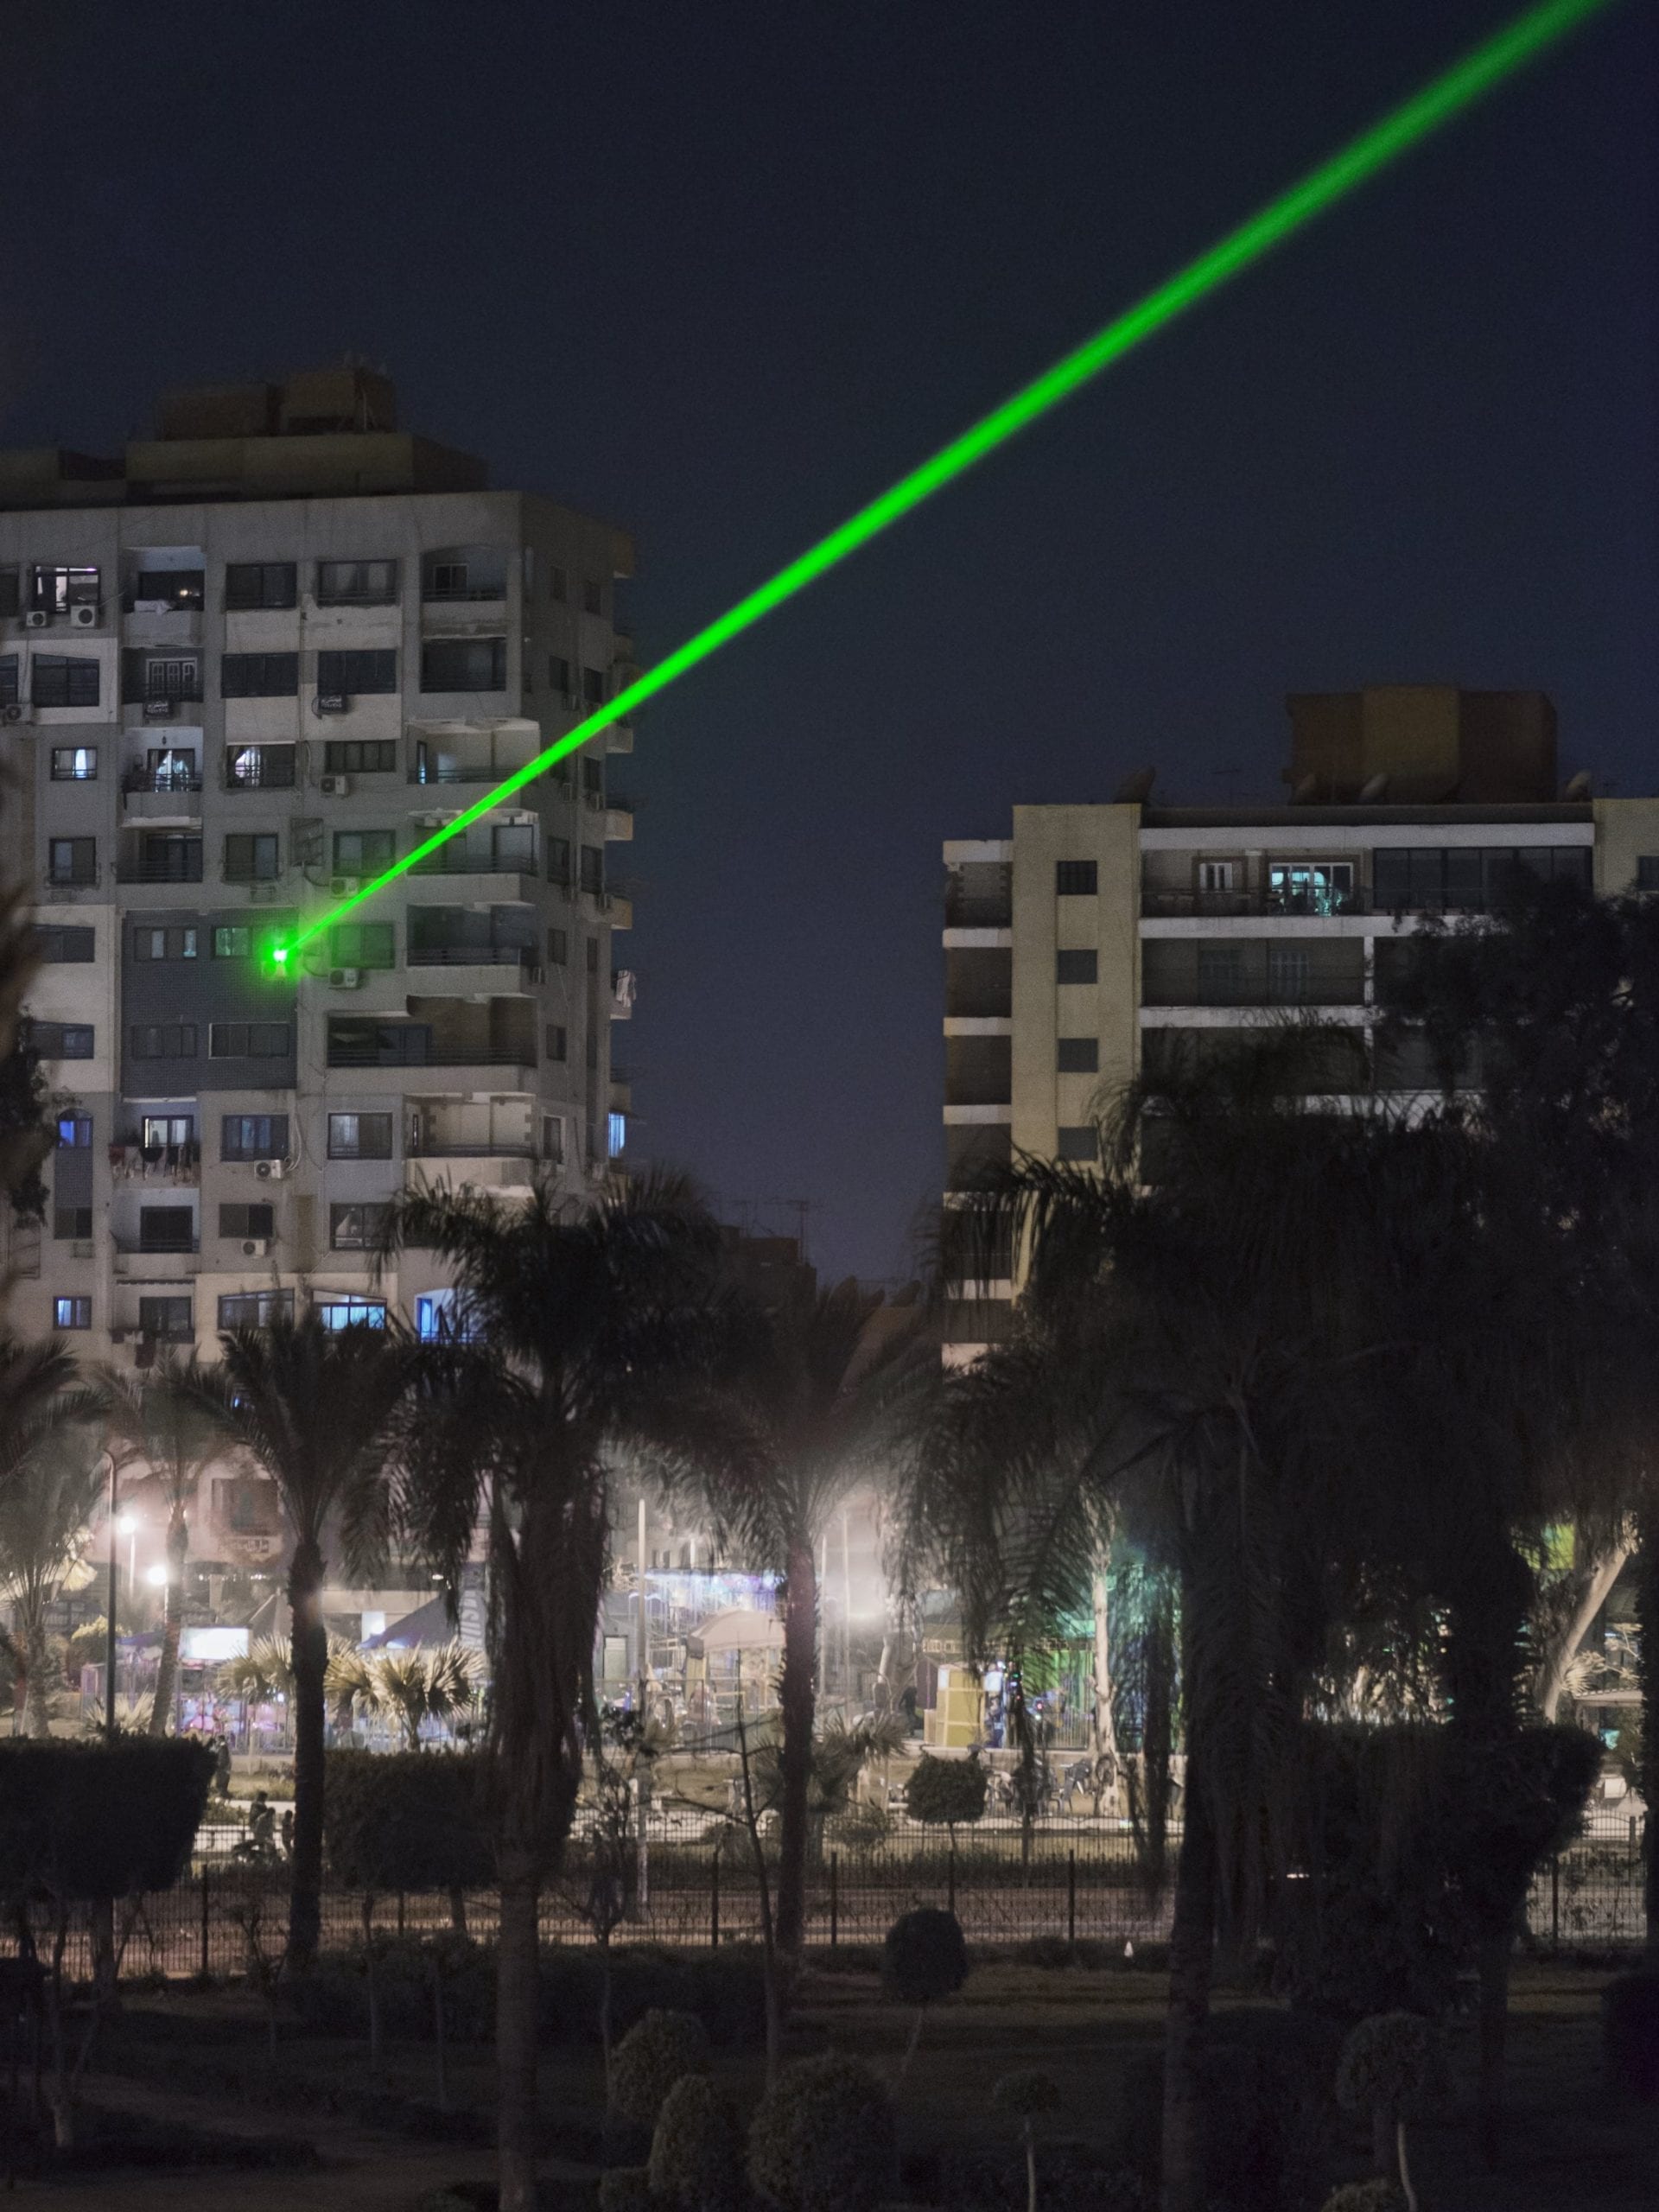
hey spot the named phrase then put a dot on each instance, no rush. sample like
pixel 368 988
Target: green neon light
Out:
pixel 1436 105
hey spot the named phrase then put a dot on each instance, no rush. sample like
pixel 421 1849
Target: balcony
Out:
pixel 619 820
pixel 470 955
pixel 621 1091
pixel 260 768
pixel 456 859
pixel 177 1164
pixel 147 870
pixel 624 989
pixel 502 1169
pixel 978 910
pixel 162 794
pixel 1156 905
pixel 156 1258
pixel 356 1042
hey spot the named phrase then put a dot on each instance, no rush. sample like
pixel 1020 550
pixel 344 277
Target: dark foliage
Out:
pixel 1630 2032
pixel 822 2138
pixel 405 1820
pixel 696 2150
pixel 943 1792
pixel 81 1821
pixel 924 1956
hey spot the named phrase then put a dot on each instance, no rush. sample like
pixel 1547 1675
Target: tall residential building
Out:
pixel 241 669
pixel 1097 937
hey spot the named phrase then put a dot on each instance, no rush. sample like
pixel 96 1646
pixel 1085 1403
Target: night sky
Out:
pixel 719 271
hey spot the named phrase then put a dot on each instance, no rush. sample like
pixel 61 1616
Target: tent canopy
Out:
pixel 741 1629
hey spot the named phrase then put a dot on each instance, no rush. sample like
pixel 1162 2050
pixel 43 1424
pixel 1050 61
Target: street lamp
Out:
pixel 109 1641
pixel 156 1575
pixel 128 1524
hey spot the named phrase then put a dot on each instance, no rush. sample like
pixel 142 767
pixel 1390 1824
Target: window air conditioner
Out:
pixel 271 1170
pixel 36 618
pixel 337 786
pixel 331 702
pixel 84 617
pixel 256 1248
pixel 343 885
pixel 345 979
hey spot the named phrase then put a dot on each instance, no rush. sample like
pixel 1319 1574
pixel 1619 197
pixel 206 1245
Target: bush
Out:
pixel 1027 2093
pixel 404 1820
pixel 696 2152
pixel 1395 2062
pixel 924 1956
pixel 943 1792
pixel 1270 2121
pixel 822 2138
pixel 88 1820
pixel 1630 2033
pixel 624 2189
pixel 656 2053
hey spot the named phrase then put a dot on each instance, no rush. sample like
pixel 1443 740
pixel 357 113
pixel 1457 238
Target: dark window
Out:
pixel 1078 1055
pixel 255 1309
pixel 512 845
pixel 72 860
pixel 1075 880
pixel 558 1042
pixel 466 572
pixel 55 947
pixel 592 780
pixel 167 591
pixel 259 768
pixel 166 858
pixel 151 941
pixel 61 1040
pixel 559 948
pixel 558 861
pixel 355 1226
pixel 11 592
pixel 356 583
pixel 241 1220
pixel 1647 872
pixel 71 1224
pixel 1080 1143
pixel 364 852
pixel 249 1040
pixel 359 1136
pixel 360 756
pixel 593 596
pixel 7 679
pixel 593 869
pixel 251 857
pixel 356 675
pixel 59 680
pixel 262 583
pixel 160 677
pixel 55 590
pixel 72 1313
pixel 592 687
pixel 166 1229
pixel 558 673
pixel 558 585
pixel 253 1136
pixel 162 1040
pixel 259 676
pixel 74 764
pixel 464 665
pixel 171 1320
pixel 1076 966
pixel 362 944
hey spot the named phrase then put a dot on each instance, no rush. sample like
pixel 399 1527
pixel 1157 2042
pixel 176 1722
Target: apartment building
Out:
pixel 243 667
pixel 1097 938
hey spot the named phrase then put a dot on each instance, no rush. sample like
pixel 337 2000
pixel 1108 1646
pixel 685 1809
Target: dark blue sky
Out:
pixel 720 271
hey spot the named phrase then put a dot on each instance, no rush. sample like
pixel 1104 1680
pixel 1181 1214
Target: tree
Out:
pixel 1394 2067
pixel 25 1134
pixel 313 1407
pixel 157 1420
pixel 413 1686
pixel 51 1485
pixel 563 1313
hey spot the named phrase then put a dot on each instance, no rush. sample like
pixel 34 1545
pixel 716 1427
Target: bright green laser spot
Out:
pixel 1436 105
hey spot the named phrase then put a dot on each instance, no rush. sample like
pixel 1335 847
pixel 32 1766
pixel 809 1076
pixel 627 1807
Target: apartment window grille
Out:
pixel 262 583
pixel 249 1040
pixel 259 768
pixel 253 1136
pixel 356 583
pixel 1079 1143
pixel 251 857
pixel 74 764
pixel 259 676
pixel 1075 878
pixel 1288 974
pixel 176 941
pixel 360 756
pixel 55 947
pixel 1078 1055
pixel 168 1320
pixel 1076 966
pixel 73 860
pixel 359 1136
pixel 357 674
pixel 72 1313
pixel 245 1220
pixel 168 678
pixel 255 1309
pixel 352 1312
pixel 464 665
pixel 162 1040
pixel 357 1226
pixel 63 680
pixel 362 944
pixel 364 852
pixel 1221 974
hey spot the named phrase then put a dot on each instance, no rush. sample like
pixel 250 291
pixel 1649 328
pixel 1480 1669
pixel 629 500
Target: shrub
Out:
pixel 1027 2093
pixel 696 2152
pixel 924 1956
pixel 1397 2060
pixel 404 1820
pixel 942 1792
pixel 1270 2120
pixel 823 2138
pixel 656 2053
pixel 1630 2034
pixel 90 1820
pixel 624 2189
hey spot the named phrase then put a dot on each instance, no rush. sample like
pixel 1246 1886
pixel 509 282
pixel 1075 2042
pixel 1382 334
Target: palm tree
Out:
pixel 563 1314
pixel 410 1687
pixel 157 1420
pixel 51 1485
pixel 313 1407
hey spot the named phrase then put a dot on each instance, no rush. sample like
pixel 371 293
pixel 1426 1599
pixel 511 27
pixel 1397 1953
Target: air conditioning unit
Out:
pixel 36 618
pixel 345 979
pixel 343 885
pixel 256 1248
pixel 330 703
pixel 271 1170
pixel 264 890
pixel 84 617
pixel 159 710
pixel 337 786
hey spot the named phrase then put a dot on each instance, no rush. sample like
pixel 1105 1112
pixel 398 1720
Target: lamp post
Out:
pixel 109 1645
pixel 128 1524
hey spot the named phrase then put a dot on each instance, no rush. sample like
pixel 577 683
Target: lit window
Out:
pixel 72 1313
pixel 353 1312
pixel 617 1133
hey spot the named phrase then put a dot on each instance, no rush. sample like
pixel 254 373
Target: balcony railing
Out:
pixel 447 862
pixel 470 955
pixel 157 1163
pixel 964 911
pixel 439 1149
pixel 155 1247
pixel 462 771
pixel 158 872
pixel 271 771
pixel 417 1048
pixel 1154 904
pixel 161 779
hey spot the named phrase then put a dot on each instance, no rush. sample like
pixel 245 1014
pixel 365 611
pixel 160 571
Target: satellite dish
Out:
pixel 1374 789
pixel 1135 790
pixel 1577 787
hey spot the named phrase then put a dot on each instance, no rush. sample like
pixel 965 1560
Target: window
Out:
pixel 357 674
pixel 356 1228
pixel 559 948
pixel 441 1316
pixel 169 1320
pixel 593 781
pixel 558 585
pixel 364 852
pixel 553 1138
pixel 262 583
pixel 166 1229
pixel 250 858
pixel 1218 876
pixel 1221 974
pixel 616 1134
pixel 166 857
pixel 512 845
pixel 255 1309
pixel 253 1136
pixel 162 1040
pixel 11 592
pixel 70 1223
pixel 466 572
pixel 356 583
pixel 249 1040
pixel 362 944
pixel 258 1220
pixel 1075 880
pixel 558 1042
pixel 161 1131
pixel 61 1040
pixel 74 1131
pixel 358 756
pixel 259 676
pixel 1647 872
pixel 151 941
pixel 558 674
pixel 74 764
pixel 464 665
pixel 72 1313
pixel 353 1312
pixel 65 947
pixel 73 860
pixel 1311 886
pixel 593 596
pixel 558 861
pixel 7 679
pixel 1287 971
pixel 1076 966
pixel 359 1136
pixel 169 677
pixel 232 941
pixel 1078 1055
pixel 259 768
pixel 1467 878
pixel 55 591
pixel 1080 1143
pixel 593 870
pixel 592 687
pixel 61 680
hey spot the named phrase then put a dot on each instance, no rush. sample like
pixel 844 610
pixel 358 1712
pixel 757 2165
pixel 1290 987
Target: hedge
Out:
pixel 83 1822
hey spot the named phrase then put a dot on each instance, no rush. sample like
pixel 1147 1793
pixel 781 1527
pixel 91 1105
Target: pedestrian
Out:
pixel 222 1769
pixel 288 1833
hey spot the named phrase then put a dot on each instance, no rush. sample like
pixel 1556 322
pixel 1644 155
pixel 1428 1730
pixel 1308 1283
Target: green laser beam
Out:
pixel 1436 105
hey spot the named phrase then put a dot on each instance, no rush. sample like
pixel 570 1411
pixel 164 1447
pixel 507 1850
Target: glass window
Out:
pixel 73 860
pixel 256 1220
pixel 592 687
pixel 616 1133
pixel 259 676
pixel 166 1229
pixel 512 845
pixel 74 764
pixel 357 1227
pixel 1082 1143
pixel 1311 886
pixel 1221 974
pixel 558 861
pixel 252 858
pixel 467 572
pixel 249 1040
pixel 232 941
pixel 364 852
pixel 359 1136
pixel 593 595
pixel 262 583
pixel 353 1312
pixel 63 680
pixel 55 590
pixel 253 1136
pixel 356 583
pixel 7 679
pixel 71 1223
pixel 72 1313
pixel 558 1042
pixel 169 591
pixel 164 857
pixel 259 768
pixel 559 948
pixel 1075 878
pixel 1078 1055
pixel 1463 888
pixel 593 870
pixel 464 665
pixel 171 1320
pixel 558 674
pixel 163 1132
pixel 1076 966
pixel 362 944
pixel 255 1309
pixel 162 1040
pixel 74 1131
pixel 1647 872
pixel 441 1315
pixel 360 756
pixel 58 947
pixel 11 592
pixel 176 941
pixel 553 1138
pixel 1287 971
pixel 356 675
